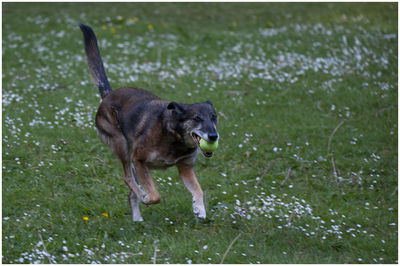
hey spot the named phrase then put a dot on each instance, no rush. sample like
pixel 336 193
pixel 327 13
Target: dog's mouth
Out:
pixel 197 139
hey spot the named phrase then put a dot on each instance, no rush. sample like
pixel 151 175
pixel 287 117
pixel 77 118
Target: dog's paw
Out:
pixel 136 215
pixel 145 198
pixel 137 219
pixel 199 210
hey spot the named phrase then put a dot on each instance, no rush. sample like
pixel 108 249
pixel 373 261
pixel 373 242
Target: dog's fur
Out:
pixel 146 132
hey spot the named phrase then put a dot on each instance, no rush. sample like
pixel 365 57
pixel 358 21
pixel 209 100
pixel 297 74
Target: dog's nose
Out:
pixel 213 136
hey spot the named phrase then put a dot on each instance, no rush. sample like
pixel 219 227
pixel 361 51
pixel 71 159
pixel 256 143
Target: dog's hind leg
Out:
pixel 134 191
pixel 134 204
pixel 142 174
pixel 148 194
pixel 117 144
pixel 142 196
pixel 109 131
pixel 188 177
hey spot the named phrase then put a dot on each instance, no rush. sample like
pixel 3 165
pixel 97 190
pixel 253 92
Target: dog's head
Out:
pixel 195 122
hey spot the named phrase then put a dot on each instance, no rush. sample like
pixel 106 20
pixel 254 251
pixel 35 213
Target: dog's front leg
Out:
pixel 188 177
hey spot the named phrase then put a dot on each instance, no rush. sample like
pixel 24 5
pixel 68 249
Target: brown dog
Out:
pixel 146 132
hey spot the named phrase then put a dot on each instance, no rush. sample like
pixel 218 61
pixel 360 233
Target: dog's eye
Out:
pixel 198 118
pixel 213 117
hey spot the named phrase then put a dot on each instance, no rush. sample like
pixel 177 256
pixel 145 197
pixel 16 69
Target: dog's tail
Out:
pixel 94 61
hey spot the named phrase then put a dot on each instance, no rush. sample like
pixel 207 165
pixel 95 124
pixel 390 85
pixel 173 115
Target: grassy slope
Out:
pixel 282 75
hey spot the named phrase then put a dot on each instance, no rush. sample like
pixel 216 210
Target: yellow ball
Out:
pixel 208 146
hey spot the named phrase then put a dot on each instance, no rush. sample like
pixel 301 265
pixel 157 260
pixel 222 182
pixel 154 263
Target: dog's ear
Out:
pixel 179 108
pixel 209 102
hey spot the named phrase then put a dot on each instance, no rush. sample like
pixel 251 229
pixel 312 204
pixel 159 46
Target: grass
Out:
pixel 282 76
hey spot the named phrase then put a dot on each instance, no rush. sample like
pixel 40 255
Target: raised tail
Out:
pixel 94 61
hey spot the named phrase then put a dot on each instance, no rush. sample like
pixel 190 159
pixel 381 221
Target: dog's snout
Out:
pixel 213 136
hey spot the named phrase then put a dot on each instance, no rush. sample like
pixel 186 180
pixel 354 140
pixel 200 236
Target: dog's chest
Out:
pixel 155 159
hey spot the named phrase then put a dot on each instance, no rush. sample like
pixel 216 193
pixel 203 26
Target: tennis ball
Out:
pixel 208 146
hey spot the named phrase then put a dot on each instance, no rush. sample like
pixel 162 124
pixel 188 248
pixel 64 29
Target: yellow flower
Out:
pixel 131 21
pixel 85 218
pixel 112 29
pixel 150 26
pixel 164 25
pixel 105 214
pixel 104 27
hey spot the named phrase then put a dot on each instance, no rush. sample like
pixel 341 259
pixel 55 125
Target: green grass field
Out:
pixel 306 171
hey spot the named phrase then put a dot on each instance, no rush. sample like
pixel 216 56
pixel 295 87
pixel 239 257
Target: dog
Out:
pixel 146 132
